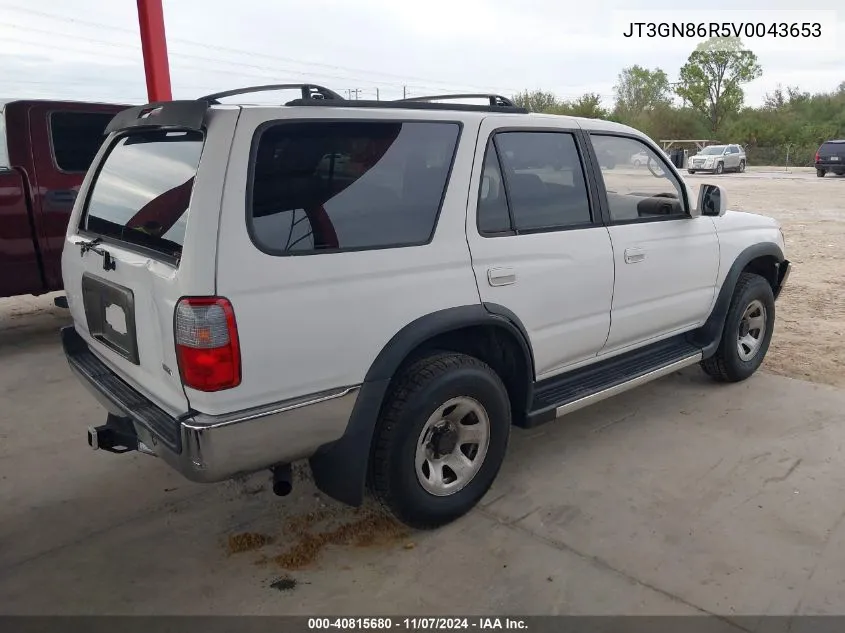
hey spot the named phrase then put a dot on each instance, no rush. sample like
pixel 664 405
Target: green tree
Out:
pixel 638 90
pixel 711 80
pixel 536 101
pixel 588 106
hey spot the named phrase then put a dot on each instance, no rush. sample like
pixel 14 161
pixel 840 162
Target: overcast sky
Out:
pixel 90 49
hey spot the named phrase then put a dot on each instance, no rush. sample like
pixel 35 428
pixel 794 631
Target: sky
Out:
pixel 90 49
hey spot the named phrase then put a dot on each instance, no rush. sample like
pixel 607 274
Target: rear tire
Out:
pixel 820 173
pixel 747 332
pixel 445 412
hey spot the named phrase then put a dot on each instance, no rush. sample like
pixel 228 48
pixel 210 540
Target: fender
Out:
pixel 709 335
pixel 340 468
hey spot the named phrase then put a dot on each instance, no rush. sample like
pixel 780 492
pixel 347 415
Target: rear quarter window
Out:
pixel 142 190
pixel 76 138
pixel 348 185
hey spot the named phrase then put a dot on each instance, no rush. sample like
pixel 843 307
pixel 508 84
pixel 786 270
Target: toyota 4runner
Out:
pixel 385 288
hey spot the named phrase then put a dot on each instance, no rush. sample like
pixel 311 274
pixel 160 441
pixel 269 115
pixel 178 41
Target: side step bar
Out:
pixel 575 390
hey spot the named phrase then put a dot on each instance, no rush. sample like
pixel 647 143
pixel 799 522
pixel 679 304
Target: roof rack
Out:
pixel 309 91
pixel 408 104
pixel 495 100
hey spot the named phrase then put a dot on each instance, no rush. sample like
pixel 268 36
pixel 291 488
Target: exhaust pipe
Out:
pixel 282 480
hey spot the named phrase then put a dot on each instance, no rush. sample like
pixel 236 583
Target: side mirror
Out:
pixel 712 200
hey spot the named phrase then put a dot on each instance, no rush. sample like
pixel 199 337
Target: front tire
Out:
pixel 720 168
pixel 747 332
pixel 441 439
pixel 742 166
pixel 692 171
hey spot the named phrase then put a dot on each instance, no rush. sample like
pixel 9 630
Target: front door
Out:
pixel 666 262
pixel 537 244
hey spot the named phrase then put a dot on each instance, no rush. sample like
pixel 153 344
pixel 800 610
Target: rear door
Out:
pixel 538 246
pixel 143 235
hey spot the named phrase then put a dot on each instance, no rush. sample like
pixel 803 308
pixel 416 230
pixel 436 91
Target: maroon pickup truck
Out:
pixel 45 149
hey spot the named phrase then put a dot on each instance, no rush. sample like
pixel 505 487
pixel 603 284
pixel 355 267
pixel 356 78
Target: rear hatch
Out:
pixel 143 235
pixel 832 152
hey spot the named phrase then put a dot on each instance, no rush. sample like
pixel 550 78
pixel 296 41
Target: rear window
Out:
pixel 332 186
pixel 4 154
pixel 76 137
pixel 833 146
pixel 143 189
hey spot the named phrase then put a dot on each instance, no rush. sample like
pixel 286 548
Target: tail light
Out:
pixel 817 157
pixel 207 344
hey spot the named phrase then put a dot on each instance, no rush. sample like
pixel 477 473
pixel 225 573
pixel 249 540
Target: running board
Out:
pixel 585 386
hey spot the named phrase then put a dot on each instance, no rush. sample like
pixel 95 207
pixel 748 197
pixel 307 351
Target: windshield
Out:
pixel 713 150
pixel 4 154
pixel 143 189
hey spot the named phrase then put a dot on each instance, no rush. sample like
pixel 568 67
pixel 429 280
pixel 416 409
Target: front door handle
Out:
pixel 501 276
pixel 634 255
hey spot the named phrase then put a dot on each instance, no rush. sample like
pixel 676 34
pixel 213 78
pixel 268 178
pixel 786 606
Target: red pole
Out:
pixel 154 46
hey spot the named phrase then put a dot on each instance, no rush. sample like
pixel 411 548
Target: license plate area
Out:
pixel 110 313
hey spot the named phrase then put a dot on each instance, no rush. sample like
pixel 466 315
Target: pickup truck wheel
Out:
pixel 441 439
pixel 747 332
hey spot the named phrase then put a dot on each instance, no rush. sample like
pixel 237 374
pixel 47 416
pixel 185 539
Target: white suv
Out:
pixel 384 288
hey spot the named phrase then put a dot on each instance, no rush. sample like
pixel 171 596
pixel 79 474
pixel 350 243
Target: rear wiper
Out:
pixel 85 246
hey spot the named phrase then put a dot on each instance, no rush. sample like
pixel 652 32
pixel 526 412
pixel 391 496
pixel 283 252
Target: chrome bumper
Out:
pixel 207 448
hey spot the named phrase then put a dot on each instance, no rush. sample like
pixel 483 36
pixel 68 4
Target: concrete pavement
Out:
pixel 681 497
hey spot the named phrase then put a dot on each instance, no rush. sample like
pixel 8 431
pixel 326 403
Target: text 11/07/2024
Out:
pixel 418 624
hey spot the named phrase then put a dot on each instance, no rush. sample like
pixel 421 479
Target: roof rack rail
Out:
pixel 495 100
pixel 309 91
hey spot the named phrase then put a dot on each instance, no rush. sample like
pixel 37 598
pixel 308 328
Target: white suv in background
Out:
pixel 718 159
pixel 385 288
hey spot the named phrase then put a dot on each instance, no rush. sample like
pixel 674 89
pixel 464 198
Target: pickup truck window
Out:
pixel 4 153
pixel 142 191
pixel 76 138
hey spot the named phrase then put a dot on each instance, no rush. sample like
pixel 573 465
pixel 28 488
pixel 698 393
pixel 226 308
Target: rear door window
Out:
pixel 76 138
pixel 833 148
pixel 142 191
pixel 334 186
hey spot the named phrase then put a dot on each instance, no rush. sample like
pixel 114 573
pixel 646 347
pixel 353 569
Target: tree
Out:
pixel 711 80
pixel 587 105
pixel 536 101
pixel 639 89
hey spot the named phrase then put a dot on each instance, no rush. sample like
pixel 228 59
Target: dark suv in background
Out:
pixel 831 157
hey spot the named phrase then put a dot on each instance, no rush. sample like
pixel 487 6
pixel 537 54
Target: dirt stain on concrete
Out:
pixel 310 534
pixel 247 542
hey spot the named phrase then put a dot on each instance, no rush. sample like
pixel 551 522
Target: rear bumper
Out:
pixel 830 165
pixel 207 448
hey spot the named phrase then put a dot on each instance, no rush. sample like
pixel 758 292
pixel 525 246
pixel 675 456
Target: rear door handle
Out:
pixel 501 276
pixel 634 255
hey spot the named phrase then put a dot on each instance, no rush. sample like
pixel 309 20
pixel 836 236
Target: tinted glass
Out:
pixel 76 138
pixel 493 216
pixel 142 192
pixel 544 179
pixel 832 147
pixel 4 155
pixel 349 185
pixel 636 194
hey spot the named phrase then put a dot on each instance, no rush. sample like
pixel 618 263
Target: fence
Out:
pixel 781 155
